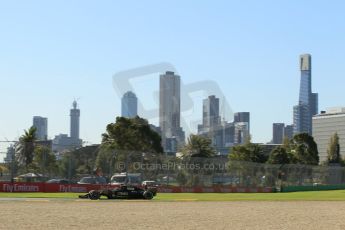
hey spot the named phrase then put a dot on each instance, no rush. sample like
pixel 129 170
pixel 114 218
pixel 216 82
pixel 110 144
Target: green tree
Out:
pixel 279 155
pixel 106 160
pixel 304 149
pixel 25 147
pixel 128 140
pixel 333 151
pixel 182 178
pixel 198 146
pixel 247 152
pixel 67 165
pixel 132 134
pixel 286 144
pixel 44 160
pixel 85 158
pixel 243 159
pixel 78 162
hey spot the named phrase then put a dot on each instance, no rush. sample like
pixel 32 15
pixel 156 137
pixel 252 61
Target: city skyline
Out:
pixel 238 116
pixel 250 50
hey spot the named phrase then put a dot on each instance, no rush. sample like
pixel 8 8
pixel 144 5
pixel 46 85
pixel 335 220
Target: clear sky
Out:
pixel 54 51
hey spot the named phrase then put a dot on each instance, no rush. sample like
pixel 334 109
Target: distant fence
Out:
pixel 215 174
pixel 209 172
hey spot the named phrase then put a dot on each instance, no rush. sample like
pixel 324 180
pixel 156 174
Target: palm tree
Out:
pixel 198 146
pixel 25 147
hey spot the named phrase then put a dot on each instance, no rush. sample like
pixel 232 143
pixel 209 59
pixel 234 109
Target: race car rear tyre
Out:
pixel 94 195
pixel 148 195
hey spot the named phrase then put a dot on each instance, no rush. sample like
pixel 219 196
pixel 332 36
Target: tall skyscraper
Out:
pixel 211 126
pixel 75 115
pixel 210 112
pixel 305 84
pixel 169 107
pixel 241 132
pixel 308 101
pixel 278 133
pixel 288 131
pixel 129 105
pixel 41 125
pixel 242 117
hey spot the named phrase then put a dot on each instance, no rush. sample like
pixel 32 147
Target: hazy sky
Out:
pixel 54 51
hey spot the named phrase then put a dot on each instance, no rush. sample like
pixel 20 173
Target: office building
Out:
pixel 129 105
pixel 41 125
pixel 229 134
pixel 241 132
pixel 278 133
pixel 325 125
pixel 10 154
pixel 314 104
pixel 242 117
pixel 210 112
pixel 288 131
pixel 63 142
pixel 211 125
pixel 169 108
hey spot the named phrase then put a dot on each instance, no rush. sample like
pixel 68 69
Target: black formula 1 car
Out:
pixel 123 192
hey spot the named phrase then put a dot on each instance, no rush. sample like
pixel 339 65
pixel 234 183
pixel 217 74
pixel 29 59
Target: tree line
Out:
pixel 132 140
pixel 301 149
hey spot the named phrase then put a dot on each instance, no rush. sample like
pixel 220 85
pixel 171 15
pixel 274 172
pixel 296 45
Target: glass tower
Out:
pixel 305 86
pixel 308 101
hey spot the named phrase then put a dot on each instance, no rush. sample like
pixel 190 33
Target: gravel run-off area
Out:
pixel 85 214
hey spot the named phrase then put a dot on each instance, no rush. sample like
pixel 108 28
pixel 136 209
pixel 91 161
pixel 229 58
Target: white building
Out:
pixel 325 125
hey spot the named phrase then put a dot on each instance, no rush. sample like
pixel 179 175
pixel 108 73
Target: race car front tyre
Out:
pixel 148 195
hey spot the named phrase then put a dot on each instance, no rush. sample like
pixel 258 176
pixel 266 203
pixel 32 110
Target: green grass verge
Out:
pixel 338 195
pixel 335 195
